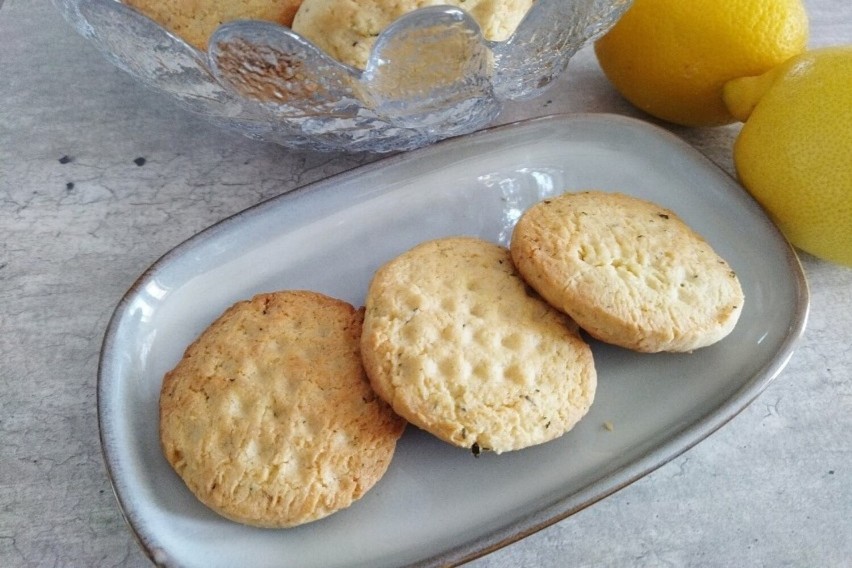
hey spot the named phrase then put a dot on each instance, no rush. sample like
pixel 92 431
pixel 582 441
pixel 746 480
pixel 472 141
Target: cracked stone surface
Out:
pixel 100 177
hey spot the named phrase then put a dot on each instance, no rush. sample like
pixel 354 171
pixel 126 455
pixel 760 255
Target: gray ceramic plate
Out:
pixel 438 504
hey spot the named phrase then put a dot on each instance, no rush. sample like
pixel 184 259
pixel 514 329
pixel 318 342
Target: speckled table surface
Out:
pixel 99 178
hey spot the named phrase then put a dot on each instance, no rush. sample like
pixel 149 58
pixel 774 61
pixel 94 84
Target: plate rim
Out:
pixel 654 458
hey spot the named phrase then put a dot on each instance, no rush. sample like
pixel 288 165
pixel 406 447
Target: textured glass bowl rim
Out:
pixel 520 67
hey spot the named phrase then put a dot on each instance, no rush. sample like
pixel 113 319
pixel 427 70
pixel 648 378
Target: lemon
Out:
pixel 794 153
pixel 671 58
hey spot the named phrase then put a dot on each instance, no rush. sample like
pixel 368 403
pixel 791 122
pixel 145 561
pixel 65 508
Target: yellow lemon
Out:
pixel 671 58
pixel 794 153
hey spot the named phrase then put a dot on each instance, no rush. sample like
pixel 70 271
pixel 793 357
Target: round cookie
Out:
pixel 628 271
pixel 347 29
pixel 458 344
pixel 195 20
pixel 269 417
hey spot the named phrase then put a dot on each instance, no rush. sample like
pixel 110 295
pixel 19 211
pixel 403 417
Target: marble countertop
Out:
pixel 100 177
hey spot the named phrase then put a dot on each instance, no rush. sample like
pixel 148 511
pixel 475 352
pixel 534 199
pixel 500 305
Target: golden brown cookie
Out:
pixel 269 418
pixel 628 271
pixel 347 29
pixel 196 20
pixel 458 344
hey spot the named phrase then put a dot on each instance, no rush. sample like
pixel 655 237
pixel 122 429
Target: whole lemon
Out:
pixel 794 153
pixel 671 58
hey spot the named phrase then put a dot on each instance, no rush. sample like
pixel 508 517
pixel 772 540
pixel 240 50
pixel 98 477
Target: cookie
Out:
pixel 628 271
pixel 347 29
pixel 269 417
pixel 194 21
pixel 459 346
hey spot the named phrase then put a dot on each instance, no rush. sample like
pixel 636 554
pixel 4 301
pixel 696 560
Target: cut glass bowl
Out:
pixel 431 74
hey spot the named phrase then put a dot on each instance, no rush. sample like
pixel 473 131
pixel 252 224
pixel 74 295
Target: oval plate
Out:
pixel 437 505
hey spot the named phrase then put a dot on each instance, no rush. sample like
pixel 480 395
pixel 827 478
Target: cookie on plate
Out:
pixel 628 271
pixel 347 29
pixel 458 344
pixel 194 21
pixel 269 417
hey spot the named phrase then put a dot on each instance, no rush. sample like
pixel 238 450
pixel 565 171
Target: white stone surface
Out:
pixel 772 488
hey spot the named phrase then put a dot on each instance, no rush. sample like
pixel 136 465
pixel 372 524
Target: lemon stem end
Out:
pixel 743 94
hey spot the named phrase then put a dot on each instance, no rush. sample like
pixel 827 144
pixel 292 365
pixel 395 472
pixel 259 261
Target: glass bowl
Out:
pixel 431 74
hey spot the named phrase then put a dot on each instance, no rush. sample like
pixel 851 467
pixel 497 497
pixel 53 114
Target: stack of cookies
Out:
pixel 194 21
pixel 345 29
pixel 289 406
